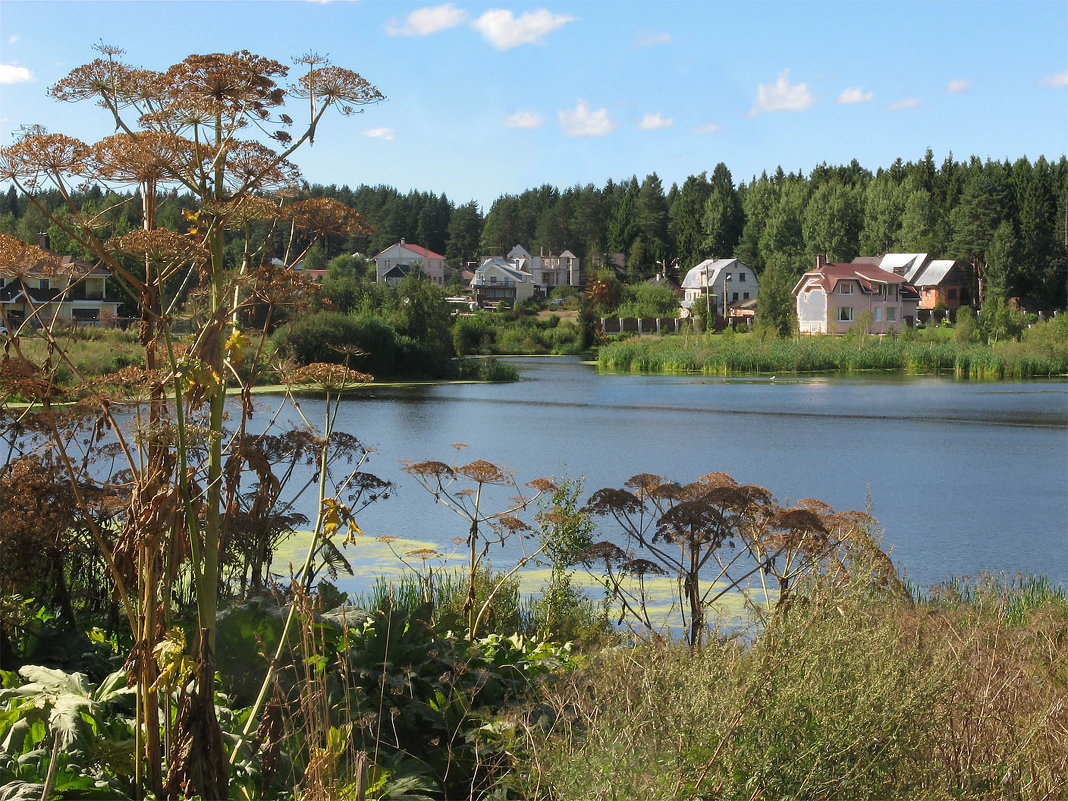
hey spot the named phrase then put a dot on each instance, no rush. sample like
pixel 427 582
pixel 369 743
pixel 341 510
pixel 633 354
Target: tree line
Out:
pixel 1006 220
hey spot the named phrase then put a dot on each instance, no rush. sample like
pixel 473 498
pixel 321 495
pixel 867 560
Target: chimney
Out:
pixel 821 260
pixel 43 241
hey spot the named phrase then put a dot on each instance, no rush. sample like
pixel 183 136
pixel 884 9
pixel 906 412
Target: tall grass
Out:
pixel 719 355
pixel 845 696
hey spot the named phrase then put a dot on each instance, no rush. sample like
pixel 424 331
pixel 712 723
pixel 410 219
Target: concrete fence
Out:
pixel 646 325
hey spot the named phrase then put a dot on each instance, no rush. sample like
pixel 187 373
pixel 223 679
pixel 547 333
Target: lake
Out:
pixel 964 477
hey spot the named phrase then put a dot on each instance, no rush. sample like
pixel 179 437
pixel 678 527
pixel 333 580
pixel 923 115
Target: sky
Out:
pixel 487 99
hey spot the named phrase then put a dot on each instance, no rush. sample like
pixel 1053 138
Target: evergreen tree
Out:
pixel 723 218
pixel 685 216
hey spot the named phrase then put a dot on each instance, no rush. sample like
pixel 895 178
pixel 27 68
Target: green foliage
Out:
pixel 648 300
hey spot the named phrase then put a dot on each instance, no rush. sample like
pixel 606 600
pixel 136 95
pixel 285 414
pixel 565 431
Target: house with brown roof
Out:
pixel 834 298
pixel 400 258
pixel 940 282
pixel 60 288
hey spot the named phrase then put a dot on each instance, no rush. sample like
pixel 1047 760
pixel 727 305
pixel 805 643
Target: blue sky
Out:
pixel 485 99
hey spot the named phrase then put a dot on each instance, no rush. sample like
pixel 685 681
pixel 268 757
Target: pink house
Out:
pixel 833 298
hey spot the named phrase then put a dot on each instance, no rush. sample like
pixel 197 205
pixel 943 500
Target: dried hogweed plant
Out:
pixel 164 439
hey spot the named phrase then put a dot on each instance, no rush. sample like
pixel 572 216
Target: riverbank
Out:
pixel 1043 355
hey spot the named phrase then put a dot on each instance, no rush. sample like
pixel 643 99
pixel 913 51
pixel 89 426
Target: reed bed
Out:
pixel 746 354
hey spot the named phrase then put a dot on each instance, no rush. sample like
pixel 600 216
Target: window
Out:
pixel 891 315
pixel 845 314
pixel 745 296
pixel 43 284
pixel 741 277
pixel 878 314
pixel 493 279
pixel 734 297
pixel 845 288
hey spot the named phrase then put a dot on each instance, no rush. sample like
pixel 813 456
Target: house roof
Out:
pixel 507 267
pixel 695 278
pixel 907 264
pixel 868 276
pixel 934 274
pixel 418 250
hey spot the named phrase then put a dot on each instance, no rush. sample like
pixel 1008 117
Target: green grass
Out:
pixel 745 353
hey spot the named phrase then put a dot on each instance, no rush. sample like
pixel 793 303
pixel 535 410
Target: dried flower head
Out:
pixel 325 216
pixel 44 154
pixel 160 247
pixel 329 376
pixel 335 86
pixel 227 85
pixel 483 472
pixel 18 258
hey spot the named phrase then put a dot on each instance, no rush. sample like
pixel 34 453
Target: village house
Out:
pixel 834 298
pixel 547 272
pixel 499 280
pixel 940 282
pixel 399 259
pixel 60 288
pixel 719 286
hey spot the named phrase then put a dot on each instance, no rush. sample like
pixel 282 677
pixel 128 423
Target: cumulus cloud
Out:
pixel 712 127
pixel 425 21
pixel 380 133
pixel 855 95
pixel 782 96
pixel 502 29
pixel 958 85
pixel 654 122
pixel 9 73
pixel 524 119
pixel 1057 80
pixel 582 121
pixel 904 103
pixel 652 39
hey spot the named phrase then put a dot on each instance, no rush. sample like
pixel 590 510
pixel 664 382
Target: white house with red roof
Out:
pixel 834 298
pixel 399 259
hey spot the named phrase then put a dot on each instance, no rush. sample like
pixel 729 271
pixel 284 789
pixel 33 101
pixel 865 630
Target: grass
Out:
pixel 745 353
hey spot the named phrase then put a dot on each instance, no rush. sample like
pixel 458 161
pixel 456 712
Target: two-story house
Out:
pixel 57 288
pixel 547 272
pixel 834 298
pixel 717 285
pixel 400 258
pixel 498 280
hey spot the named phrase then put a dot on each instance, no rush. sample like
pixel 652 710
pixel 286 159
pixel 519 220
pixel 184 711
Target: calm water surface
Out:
pixel 963 477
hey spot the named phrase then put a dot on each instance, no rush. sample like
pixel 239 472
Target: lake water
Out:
pixel 963 477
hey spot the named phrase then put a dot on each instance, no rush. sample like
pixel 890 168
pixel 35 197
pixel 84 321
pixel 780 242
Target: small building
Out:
pixel 499 280
pixel 399 259
pixel 940 282
pixel 833 298
pixel 59 288
pixel 718 284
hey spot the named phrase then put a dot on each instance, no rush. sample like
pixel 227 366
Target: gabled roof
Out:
pixel 907 264
pixel 695 278
pixel 567 254
pixel 507 267
pixel 418 250
pixel 867 276
pixel 934 274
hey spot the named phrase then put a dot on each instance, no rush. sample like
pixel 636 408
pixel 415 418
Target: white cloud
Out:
pixel 855 95
pixel 901 105
pixel 9 73
pixel 504 30
pixel 1057 80
pixel 652 39
pixel 581 121
pixel 958 85
pixel 380 133
pixel 782 96
pixel 425 21
pixel 524 119
pixel 712 127
pixel 654 122
pixel 13 39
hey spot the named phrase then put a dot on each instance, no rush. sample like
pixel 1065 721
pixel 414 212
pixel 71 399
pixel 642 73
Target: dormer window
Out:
pixel 845 288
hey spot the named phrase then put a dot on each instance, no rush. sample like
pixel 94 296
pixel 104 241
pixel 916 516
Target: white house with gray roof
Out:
pixel 498 280
pixel 718 285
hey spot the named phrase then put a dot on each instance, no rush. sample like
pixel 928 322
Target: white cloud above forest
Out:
pixel 525 119
pixel 855 94
pixel 710 128
pixel 583 121
pixel 958 85
pixel 12 73
pixel 904 103
pixel 655 122
pixel 425 21
pixel 381 133
pixel 503 30
pixel 1057 80
pixel 782 96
